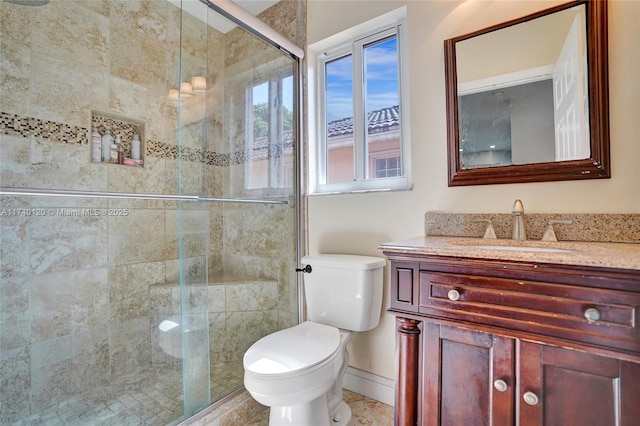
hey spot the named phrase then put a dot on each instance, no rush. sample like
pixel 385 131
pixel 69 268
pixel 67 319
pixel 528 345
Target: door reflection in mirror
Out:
pixel 510 125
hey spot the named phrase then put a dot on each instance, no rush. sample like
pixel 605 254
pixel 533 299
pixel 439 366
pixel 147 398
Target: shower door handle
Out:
pixel 306 269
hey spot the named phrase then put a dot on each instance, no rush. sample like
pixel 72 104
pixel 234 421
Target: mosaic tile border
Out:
pixel 30 127
pixel 196 155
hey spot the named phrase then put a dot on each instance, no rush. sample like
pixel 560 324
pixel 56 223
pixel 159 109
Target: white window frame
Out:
pixel 352 42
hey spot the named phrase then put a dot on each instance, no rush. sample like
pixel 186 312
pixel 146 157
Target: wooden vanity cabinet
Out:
pixel 511 344
pixel 576 388
pixel 457 379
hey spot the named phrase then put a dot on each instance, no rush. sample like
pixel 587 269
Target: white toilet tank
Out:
pixel 344 291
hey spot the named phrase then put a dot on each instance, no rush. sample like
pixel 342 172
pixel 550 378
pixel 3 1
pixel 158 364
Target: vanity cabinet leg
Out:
pixel 407 380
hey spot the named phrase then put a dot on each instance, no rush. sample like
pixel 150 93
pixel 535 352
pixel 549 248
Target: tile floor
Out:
pixel 154 397
pixel 364 411
pixel 367 411
pixel 147 397
pixel 151 397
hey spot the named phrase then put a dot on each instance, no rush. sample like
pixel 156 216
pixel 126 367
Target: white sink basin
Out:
pixel 519 248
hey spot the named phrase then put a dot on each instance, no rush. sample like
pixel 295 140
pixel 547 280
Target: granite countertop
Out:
pixel 579 253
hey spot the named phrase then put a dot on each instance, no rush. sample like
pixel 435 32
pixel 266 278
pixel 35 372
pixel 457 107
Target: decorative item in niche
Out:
pixel 527 100
pixel 128 129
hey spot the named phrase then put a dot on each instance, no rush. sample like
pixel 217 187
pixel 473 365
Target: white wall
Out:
pixel 358 223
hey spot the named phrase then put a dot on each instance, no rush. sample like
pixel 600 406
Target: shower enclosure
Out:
pixel 130 290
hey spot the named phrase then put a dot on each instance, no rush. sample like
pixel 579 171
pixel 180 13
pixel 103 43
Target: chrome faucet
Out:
pixel 519 232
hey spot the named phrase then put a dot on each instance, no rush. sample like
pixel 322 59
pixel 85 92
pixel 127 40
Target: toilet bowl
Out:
pixel 191 327
pixel 292 370
pixel 298 372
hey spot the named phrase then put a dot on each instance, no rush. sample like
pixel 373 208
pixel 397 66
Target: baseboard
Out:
pixel 370 385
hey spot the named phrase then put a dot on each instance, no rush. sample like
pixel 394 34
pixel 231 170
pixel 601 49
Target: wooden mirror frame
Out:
pixel 597 166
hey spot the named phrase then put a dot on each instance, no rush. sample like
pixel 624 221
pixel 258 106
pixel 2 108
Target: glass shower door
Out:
pixel 130 290
pixel 236 103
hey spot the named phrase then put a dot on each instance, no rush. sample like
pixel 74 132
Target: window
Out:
pixel 270 124
pixel 387 167
pixel 362 139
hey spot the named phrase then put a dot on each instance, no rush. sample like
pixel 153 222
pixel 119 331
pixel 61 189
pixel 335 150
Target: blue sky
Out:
pixel 382 81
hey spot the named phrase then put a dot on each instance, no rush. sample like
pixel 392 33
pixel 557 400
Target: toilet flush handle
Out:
pixel 306 269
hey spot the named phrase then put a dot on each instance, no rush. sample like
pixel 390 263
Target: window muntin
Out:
pixel 360 113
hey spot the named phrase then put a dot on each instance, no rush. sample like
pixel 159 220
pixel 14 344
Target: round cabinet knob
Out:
pixel 453 294
pixel 530 398
pixel 500 385
pixel 592 314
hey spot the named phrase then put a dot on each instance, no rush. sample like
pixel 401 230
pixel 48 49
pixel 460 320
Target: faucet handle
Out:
pixel 489 233
pixel 549 232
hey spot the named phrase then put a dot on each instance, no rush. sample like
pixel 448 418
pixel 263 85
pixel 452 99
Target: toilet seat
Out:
pixel 293 351
pixel 293 366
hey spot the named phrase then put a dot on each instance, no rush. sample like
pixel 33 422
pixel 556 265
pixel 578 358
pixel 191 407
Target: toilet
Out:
pixel 298 372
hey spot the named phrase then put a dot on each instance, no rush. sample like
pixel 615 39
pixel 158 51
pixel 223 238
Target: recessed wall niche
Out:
pixel 125 127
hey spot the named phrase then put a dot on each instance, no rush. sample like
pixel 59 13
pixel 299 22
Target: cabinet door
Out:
pixel 468 377
pixel 568 387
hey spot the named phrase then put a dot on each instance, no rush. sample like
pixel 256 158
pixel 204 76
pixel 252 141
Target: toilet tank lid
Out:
pixel 344 261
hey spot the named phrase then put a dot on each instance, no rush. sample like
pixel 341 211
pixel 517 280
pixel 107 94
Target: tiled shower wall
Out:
pixel 75 288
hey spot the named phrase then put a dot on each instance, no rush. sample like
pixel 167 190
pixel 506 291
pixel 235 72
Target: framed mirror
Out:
pixel 528 100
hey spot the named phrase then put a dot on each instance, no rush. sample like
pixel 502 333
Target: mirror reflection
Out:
pixel 522 93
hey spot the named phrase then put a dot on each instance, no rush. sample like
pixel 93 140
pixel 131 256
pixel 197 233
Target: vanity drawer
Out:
pixel 585 314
